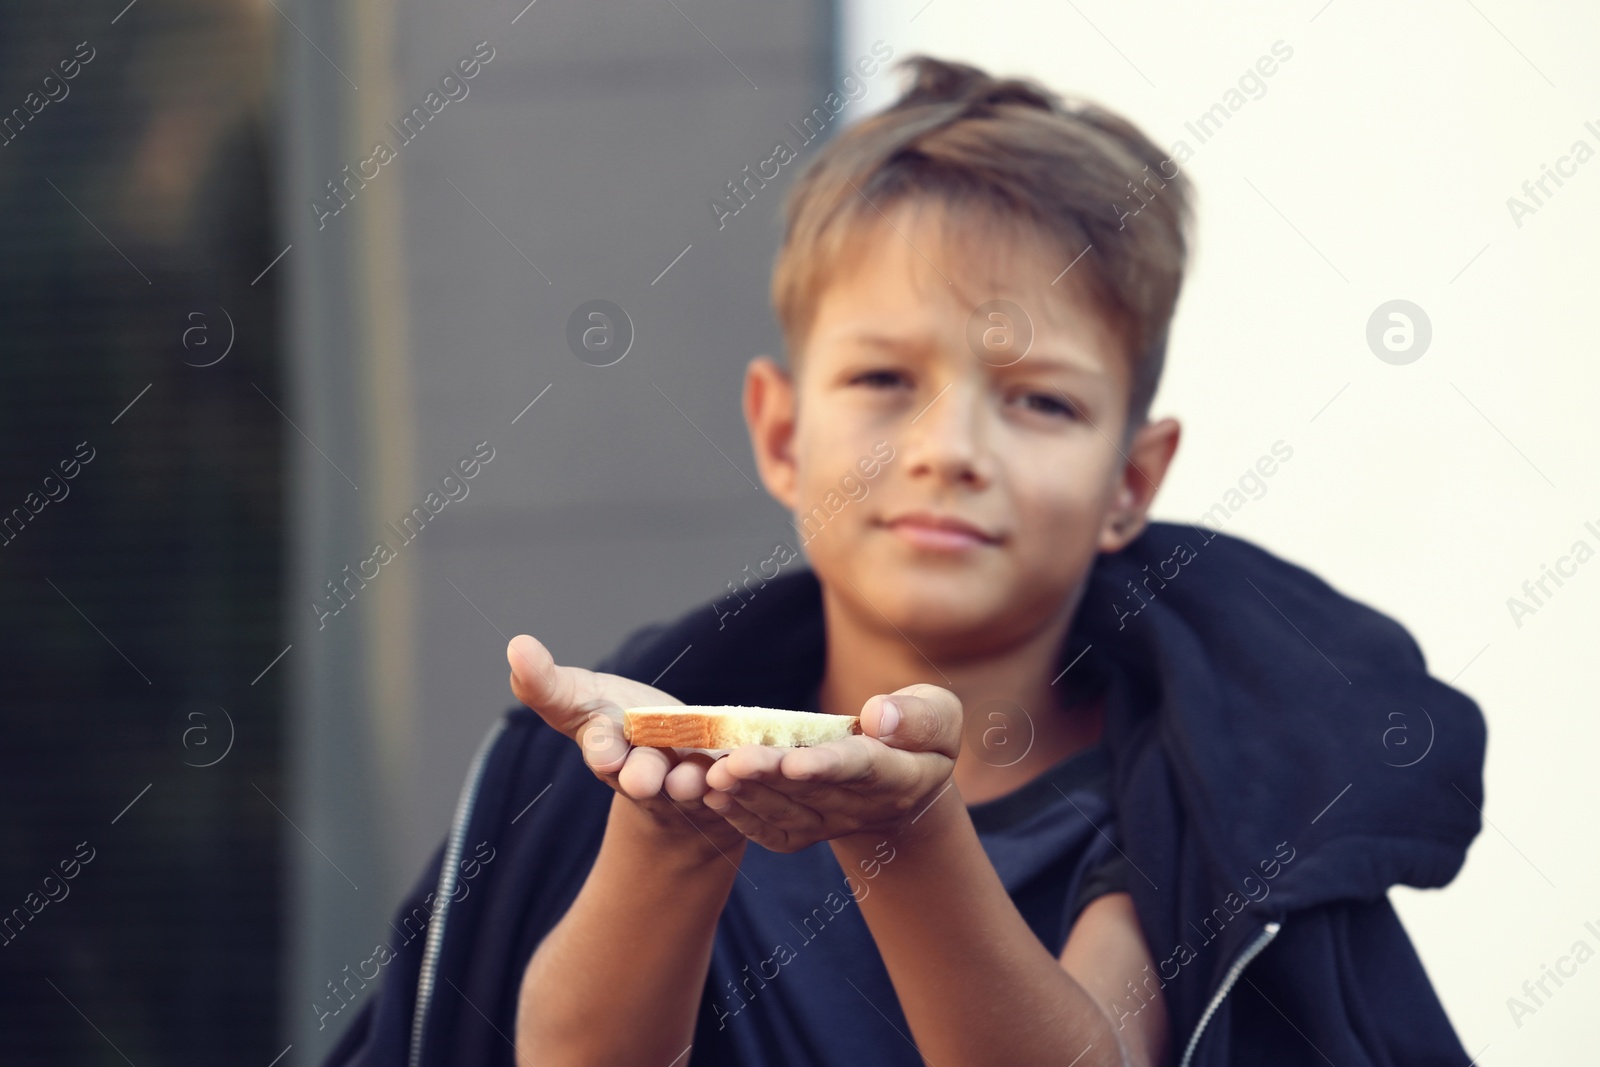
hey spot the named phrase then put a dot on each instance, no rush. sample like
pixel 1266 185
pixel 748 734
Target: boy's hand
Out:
pixel 586 705
pixel 785 799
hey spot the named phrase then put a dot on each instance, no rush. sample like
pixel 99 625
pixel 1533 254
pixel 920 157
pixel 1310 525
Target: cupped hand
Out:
pixel 878 782
pixel 587 706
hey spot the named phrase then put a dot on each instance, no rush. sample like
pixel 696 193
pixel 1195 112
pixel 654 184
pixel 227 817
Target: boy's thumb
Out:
pixel 918 718
pixel 531 665
pixel 542 685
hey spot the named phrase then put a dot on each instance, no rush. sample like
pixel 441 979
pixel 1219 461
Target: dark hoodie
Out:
pixel 1288 760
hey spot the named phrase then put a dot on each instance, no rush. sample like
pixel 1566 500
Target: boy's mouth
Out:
pixel 926 529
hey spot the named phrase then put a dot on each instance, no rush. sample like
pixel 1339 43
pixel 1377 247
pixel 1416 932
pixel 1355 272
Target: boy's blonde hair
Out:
pixel 1005 158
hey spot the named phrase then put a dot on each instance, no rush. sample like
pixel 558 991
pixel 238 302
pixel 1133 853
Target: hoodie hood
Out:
pixel 1288 712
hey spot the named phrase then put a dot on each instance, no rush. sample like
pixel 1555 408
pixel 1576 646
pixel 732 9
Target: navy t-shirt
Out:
pixel 796 977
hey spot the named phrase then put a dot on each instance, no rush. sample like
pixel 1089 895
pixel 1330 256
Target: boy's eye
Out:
pixel 878 378
pixel 1051 404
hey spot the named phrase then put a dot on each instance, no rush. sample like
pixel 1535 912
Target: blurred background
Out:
pixel 239 346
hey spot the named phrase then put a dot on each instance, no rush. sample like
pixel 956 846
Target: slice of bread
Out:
pixel 729 726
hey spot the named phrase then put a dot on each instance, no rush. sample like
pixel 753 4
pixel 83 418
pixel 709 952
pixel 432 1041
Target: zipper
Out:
pixel 1267 933
pixel 445 890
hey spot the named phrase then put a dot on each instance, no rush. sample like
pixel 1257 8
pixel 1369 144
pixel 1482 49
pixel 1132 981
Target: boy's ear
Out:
pixel 769 412
pixel 1149 454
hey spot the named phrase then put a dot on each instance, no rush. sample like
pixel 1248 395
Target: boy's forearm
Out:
pixel 620 977
pixel 973 979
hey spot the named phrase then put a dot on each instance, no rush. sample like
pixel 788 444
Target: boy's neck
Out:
pixel 1017 724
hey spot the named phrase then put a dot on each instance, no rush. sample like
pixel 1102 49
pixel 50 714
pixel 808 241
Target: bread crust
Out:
pixel 695 728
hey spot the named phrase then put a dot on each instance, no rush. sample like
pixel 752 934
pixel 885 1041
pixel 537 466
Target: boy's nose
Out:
pixel 948 437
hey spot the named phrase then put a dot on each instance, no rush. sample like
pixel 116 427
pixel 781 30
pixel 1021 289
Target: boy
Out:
pixel 1124 792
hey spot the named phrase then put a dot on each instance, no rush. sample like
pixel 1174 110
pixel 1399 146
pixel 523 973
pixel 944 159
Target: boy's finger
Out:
pixel 643 773
pixel 858 763
pixel 918 718
pixel 772 806
pixel 835 762
pixel 604 747
pixel 540 683
pixel 744 762
pixel 686 780
pixel 746 822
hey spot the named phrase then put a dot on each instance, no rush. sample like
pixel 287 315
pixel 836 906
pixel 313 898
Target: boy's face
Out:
pixel 1028 451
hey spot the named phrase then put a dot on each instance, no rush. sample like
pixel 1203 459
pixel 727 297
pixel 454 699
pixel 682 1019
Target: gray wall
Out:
pixel 589 145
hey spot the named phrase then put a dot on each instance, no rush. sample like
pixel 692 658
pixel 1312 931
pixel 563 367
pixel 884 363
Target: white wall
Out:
pixel 1377 165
